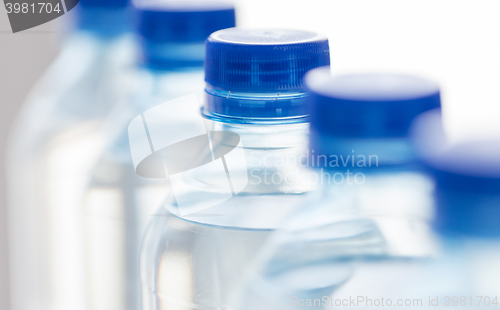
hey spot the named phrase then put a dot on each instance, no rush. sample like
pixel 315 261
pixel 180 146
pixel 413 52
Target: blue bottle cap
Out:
pixel 468 189
pixel 368 105
pixel 183 22
pixel 240 60
pixel 173 33
pixel 367 116
pixel 259 73
pixel 104 18
pixel 467 176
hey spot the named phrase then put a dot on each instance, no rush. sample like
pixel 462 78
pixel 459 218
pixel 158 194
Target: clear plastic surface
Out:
pixel 195 260
pixel 118 203
pixel 372 216
pixel 462 274
pixel 54 144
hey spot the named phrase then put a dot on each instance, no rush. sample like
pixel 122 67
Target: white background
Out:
pixel 456 42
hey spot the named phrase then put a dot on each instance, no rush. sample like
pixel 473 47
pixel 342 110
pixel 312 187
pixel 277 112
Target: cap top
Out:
pixel 373 105
pixel 474 158
pixel 265 36
pixel 371 87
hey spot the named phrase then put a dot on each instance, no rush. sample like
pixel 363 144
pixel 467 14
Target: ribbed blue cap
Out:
pixel 367 116
pixel 268 63
pixel 467 177
pixel 262 60
pixel 112 4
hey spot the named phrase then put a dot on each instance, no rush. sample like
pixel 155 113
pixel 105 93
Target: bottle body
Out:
pixel 460 275
pixel 365 211
pixel 239 175
pixel 193 260
pixel 118 203
pixel 52 147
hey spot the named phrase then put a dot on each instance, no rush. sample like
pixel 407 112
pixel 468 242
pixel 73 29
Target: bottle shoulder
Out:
pixel 244 212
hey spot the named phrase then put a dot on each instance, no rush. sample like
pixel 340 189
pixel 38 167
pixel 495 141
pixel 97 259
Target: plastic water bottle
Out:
pixel 467 176
pixel 118 202
pixel 241 176
pixel 464 273
pixel 51 149
pixel 374 203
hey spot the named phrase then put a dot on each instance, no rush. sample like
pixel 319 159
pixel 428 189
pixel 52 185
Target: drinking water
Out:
pixel 464 273
pixel 375 202
pixel 234 180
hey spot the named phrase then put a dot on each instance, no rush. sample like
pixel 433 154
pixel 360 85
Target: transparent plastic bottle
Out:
pixel 118 202
pixel 52 147
pixel 375 201
pixel 245 174
pixel 463 274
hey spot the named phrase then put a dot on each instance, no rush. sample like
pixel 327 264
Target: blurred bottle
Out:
pixel 464 273
pixel 118 203
pixel 241 176
pixel 53 146
pixel 375 200
pixel 467 197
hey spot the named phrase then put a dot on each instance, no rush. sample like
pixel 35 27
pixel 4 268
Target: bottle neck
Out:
pixel 274 155
pixel 267 136
pixel 288 106
pixel 367 177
